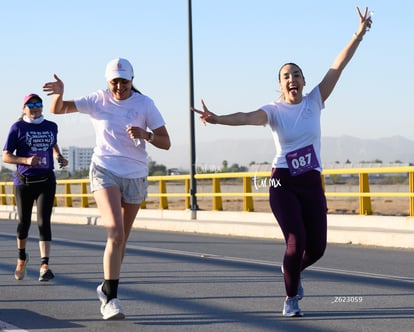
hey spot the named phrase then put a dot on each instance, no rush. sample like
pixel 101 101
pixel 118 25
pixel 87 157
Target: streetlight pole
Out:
pixel 193 182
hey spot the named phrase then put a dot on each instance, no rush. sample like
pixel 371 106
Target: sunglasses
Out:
pixel 33 105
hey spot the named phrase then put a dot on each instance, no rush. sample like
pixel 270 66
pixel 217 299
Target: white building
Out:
pixel 78 158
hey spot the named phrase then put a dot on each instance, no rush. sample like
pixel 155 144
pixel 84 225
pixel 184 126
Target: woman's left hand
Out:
pixel 62 161
pixel 364 23
pixel 136 132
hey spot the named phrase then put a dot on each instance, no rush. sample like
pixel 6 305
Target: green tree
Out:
pixel 224 166
pixel 156 169
pixel 237 168
pixel 6 174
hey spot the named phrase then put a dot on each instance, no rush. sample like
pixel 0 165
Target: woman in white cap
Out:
pixel 125 121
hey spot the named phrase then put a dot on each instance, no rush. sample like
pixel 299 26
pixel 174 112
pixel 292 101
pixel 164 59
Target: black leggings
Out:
pixel 44 194
pixel 299 205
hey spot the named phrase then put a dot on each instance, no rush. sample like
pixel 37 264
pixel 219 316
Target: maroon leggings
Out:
pixel 299 205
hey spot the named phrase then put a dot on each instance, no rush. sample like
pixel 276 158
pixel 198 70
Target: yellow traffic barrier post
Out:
pixel 217 200
pixel 247 199
pixel 364 201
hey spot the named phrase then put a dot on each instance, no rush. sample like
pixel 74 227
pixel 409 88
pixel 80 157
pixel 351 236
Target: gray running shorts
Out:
pixel 133 191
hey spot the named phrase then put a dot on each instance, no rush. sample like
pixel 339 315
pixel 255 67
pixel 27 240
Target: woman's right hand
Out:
pixel 33 160
pixel 206 115
pixel 54 88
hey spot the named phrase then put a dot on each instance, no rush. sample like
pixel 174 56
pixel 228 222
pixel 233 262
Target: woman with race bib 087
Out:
pixel 299 202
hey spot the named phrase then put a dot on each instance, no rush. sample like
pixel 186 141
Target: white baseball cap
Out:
pixel 119 68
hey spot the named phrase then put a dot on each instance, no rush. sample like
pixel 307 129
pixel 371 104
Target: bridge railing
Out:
pixel 251 183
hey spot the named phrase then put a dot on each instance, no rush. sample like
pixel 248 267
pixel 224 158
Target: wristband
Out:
pixel 356 37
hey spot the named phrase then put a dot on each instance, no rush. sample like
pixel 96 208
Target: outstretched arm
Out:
pixel 58 105
pixel 328 83
pixel 255 118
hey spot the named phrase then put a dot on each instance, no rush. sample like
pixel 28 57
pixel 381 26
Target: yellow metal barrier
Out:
pixel 364 201
pixel 248 200
pixel 217 200
pixel 260 179
pixel 3 195
pixel 411 188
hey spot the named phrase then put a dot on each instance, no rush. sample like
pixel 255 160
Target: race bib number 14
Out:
pixel 302 160
pixel 43 159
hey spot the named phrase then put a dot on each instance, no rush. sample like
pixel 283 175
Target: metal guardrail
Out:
pixel 258 178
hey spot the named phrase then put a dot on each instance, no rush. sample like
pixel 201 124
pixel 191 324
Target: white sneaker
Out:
pixel 112 310
pixel 101 294
pixel 291 307
pixel 21 267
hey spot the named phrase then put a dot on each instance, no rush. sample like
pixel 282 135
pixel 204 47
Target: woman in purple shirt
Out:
pixel 31 144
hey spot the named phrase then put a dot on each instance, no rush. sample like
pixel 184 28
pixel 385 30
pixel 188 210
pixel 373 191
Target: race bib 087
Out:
pixel 302 160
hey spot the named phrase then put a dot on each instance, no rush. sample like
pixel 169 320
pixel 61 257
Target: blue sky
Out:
pixel 238 49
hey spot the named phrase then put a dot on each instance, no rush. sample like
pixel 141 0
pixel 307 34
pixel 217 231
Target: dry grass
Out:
pixel 336 205
pixel 380 206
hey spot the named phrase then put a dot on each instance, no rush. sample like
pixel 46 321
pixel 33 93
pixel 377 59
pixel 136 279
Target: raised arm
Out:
pixel 328 83
pixel 255 118
pixel 57 104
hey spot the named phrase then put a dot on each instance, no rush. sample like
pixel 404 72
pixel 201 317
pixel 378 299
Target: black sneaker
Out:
pixel 45 273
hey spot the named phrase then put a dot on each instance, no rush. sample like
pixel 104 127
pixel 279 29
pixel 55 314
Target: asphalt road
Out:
pixel 187 282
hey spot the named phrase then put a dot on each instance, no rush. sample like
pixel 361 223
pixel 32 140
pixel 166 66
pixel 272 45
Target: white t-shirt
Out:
pixel 114 149
pixel 295 126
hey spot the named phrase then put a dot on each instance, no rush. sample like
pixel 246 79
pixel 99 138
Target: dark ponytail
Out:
pixel 136 90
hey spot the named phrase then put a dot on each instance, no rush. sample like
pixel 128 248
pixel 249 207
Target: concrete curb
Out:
pixel 384 231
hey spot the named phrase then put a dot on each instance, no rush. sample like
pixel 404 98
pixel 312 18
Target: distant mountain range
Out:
pixel 243 152
pixel 388 150
pixel 335 150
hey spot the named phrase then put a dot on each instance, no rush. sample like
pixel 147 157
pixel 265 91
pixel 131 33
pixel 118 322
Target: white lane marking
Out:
pixel 274 264
pixel 248 260
pixel 253 261
pixel 6 327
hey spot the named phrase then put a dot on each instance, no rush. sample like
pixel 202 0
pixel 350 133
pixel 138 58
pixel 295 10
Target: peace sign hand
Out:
pixel 206 115
pixel 365 21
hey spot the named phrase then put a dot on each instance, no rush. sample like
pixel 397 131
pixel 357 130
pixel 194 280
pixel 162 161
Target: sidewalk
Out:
pixel 384 231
